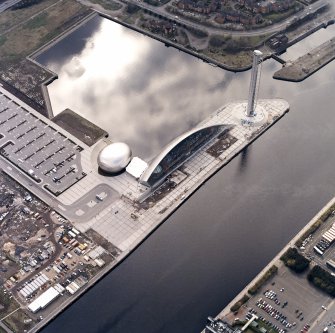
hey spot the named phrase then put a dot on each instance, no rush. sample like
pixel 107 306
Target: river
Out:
pixel 207 251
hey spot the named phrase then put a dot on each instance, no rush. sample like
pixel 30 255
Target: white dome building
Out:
pixel 114 157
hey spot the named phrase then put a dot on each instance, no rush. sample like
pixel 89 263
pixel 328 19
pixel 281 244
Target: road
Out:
pixel 8 4
pixel 212 30
pixel 7 329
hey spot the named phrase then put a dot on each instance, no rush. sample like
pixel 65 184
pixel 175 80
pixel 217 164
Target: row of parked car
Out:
pixel 276 314
pixel 267 322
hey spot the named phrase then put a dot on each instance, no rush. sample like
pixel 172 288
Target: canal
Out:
pixel 206 252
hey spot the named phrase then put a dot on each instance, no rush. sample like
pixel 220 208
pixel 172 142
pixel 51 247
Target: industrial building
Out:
pixel 46 298
pixel 329 235
pixel 34 285
pixel 219 326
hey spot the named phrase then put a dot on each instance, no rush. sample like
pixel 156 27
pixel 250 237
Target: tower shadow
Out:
pixel 244 159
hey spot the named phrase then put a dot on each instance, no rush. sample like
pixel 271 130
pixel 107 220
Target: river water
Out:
pixel 206 252
pixel 319 37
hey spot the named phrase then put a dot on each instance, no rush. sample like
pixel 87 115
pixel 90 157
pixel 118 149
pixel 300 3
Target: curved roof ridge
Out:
pixel 169 147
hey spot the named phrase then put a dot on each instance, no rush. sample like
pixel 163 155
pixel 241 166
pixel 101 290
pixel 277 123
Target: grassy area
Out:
pixel 2 40
pixel 239 303
pixel 8 304
pixel 233 60
pixel 132 13
pixel 255 41
pixel 197 32
pixel 218 41
pixel 32 34
pixel 19 321
pixel 107 4
pixel 324 217
pixel 10 18
pixel 266 277
pixel 80 127
pixel 294 260
pixel 235 52
pixel 322 280
pixel 37 22
pixel 236 44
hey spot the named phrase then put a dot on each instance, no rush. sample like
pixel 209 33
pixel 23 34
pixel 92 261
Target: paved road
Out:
pixel 8 4
pixel 266 30
pixel 7 329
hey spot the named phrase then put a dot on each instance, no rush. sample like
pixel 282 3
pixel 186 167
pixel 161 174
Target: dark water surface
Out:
pixel 135 88
pixel 201 257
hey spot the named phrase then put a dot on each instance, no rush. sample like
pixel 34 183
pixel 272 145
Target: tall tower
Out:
pixel 254 83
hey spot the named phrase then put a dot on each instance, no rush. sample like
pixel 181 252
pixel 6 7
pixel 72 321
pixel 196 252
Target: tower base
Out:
pixel 259 118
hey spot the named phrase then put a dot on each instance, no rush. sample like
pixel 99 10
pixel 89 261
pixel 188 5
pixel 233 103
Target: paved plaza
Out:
pixel 124 223
pixel 63 171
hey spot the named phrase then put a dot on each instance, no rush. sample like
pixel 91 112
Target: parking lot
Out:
pixel 288 304
pixel 45 154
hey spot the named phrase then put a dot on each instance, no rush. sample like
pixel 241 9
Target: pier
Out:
pixel 308 64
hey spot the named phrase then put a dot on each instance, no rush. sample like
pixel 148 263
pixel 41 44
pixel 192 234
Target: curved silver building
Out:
pixel 178 151
pixel 114 157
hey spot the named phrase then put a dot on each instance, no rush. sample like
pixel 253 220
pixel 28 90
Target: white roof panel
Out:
pixel 41 279
pixel 136 167
pixel 59 288
pixel 74 286
pixel 34 307
pixel 328 234
pixel 38 282
pixel 43 300
pixel 327 238
pixel 45 277
pixel 29 289
pixel 70 290
pixel 33 285
pixel 23 293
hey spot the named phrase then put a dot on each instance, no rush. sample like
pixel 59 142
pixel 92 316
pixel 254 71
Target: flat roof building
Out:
pixel 44 300
pixel 219 326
